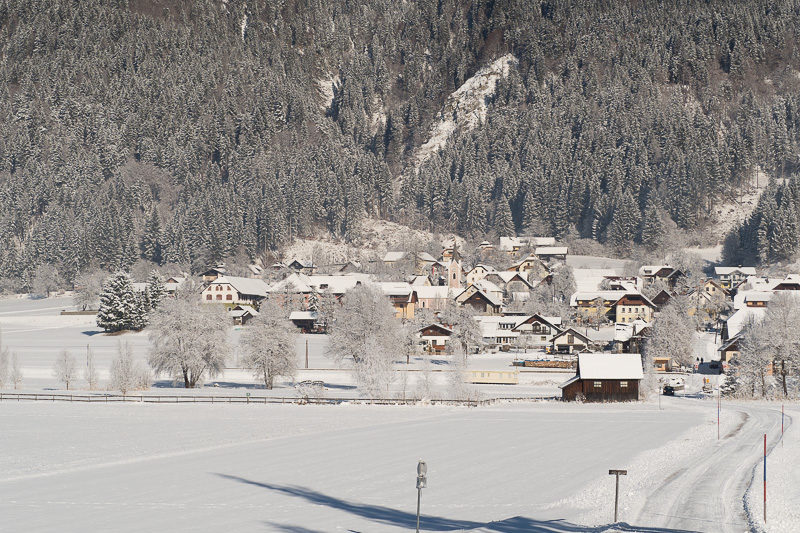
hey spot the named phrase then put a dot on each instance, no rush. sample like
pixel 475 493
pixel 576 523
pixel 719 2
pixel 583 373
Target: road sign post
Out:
pixel 616 491
pixel 422 482
pixel 765 478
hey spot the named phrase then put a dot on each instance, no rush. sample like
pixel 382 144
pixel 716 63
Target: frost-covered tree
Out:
pixel 15 375
pixel 752 366
pixel 366 333
pixel 466 338
pixel 90 372
pixel 120 307
pixel 672 336
pixel 268 343
pixel 189 341
pixel 46 280
pixel 87 288
pixel 126 373
pixel 65 369
pixel 4 360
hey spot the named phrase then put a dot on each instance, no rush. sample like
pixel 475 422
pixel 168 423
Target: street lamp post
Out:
pixel 422 482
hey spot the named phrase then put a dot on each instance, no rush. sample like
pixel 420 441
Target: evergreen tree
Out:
pixel 120 308
pixel 155 292
pixel 652 228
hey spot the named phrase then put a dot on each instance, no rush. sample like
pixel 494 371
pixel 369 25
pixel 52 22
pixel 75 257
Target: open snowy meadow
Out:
pixel 513 467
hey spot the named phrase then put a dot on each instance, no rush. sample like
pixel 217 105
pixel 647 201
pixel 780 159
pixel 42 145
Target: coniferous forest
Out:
pixel 189 131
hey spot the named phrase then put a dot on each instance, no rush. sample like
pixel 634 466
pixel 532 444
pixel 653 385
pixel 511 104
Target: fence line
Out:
pixel 182 399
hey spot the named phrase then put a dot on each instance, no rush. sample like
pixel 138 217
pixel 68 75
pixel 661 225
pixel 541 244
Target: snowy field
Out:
pixel 37 332
pixel 511 468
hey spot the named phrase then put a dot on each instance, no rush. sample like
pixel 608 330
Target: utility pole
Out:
pixel 616 492
pixel 306 354
pixel 765 478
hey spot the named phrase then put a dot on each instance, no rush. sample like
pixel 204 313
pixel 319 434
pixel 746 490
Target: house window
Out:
pixel 623 384
pixel 219 297
pixel 598 384
pixel 208 297
pixel 570 339
pixel 229 297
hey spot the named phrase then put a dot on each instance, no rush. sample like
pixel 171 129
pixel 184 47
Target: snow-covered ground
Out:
pixel 71 467
pixel 510 468
pixel 36 332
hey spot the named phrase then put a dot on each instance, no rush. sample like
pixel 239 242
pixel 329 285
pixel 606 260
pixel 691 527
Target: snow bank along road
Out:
pixel 706 493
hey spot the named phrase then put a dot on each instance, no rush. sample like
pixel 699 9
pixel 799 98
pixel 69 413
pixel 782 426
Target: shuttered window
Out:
pixel 598 384
pixel 623 384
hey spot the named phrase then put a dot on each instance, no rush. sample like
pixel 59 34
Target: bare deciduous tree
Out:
pixel 127 374
pixel 65 369
pixel 269 345
pixel 15 375
pixel 90 372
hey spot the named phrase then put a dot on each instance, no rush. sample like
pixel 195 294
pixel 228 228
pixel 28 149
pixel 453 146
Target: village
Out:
pixel 523 309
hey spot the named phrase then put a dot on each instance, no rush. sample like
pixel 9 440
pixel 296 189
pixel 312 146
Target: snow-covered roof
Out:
pixel 248 286
pixel 610 296
pixel 242 310
pixel 484 267
pixel 551 250
pixel 392 257
pixel 302 283
pixel 425 257
pixel 507 244
pixel 623 332
pixel 139 287
pixel 255 269
pixel 610 366
pixel 742 317
pixel 432 292
pixel 726 271
pixel 508 275
pixel 542 241
pixel 396 288
pixel 490 325
pixel 420 281
pixel 302 315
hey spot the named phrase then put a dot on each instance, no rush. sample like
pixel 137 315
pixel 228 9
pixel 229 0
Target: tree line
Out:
pixel 203 130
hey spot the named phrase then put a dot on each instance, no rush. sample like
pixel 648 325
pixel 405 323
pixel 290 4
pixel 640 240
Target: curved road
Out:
pixel 707 493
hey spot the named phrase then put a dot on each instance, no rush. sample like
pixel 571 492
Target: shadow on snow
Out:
pixel 403 519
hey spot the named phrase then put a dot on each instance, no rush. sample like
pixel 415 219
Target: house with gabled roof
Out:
pixel 538 330
pixel 551 253
pixel 434 337
pixel 402 296
pixel 604 377
pixel 481 301
pixel 731 277
pixel 213 273
pixel 242 314
pixel 478 272
pixel 302 266
pixel 235 290
pixel 532 266
pixel 665 273
pixel 571 340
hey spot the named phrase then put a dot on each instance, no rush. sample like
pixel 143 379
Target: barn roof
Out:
pixel 610 366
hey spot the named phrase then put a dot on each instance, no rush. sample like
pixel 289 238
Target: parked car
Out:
pixel 669 390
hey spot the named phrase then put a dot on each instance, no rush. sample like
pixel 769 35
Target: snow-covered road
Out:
pixel 707 492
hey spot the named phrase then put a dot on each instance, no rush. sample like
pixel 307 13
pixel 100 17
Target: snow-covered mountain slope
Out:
pixel 465 108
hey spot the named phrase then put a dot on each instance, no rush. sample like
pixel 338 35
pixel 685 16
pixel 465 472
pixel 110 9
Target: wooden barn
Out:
pixel 605 377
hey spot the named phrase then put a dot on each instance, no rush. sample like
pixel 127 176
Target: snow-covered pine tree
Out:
pixel 652 228
pixel 156 290
pixel 118 304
